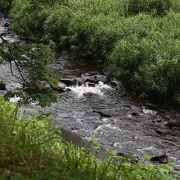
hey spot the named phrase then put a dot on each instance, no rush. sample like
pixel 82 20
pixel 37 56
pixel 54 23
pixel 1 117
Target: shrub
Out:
pixel 33 149
pixel 4 4
pixel 128 37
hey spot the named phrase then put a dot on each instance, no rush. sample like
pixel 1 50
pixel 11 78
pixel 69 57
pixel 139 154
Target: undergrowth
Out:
pixel 33 149
pixel 137 40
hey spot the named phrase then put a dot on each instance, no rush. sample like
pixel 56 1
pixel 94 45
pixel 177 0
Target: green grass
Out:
pixel 33 149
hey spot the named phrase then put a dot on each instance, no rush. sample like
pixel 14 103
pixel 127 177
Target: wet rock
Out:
pixel 173 123
pixel 91 79
pixel 2 85
pixel 161 159
pixel 151 106
pixel 14 87
pixel 68 81
pixel 109 76
pixel 113 83
pixel 68 89
pixel 61 86
pixel 103 113
pixel 134 114
pixel 89 94
pixel 160 131
pixel 79 81
pixel 91 84
pixel 6 24
pixel 101 78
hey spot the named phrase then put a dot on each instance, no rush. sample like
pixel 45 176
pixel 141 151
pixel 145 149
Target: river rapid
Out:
pixel 120 122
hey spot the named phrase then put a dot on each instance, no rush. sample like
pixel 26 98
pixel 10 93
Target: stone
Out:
pixel 68 89
pixel 89 94
pixel 91 84
pixel 2 85
pixel 103 113
pixel 113 83
pixel 61 86
pixel 151 106
pixel 79 81
pixel 134 114
pixel 173 123
pixel 161 158
pixel 14 87
pixel 68 81
pixel 91 79
pixel 6 24
pixel 160 131
pixel 101 78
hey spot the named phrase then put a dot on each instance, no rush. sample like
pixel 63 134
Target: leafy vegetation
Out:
pixel 31 61
pixel 4 4
pixel 33 149
pixel 138 40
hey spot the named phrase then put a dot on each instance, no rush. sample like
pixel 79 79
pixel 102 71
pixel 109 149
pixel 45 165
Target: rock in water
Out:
pixel 14 87
pixel 68 81
pixel 2 86
pixel 89 94
pixel 61 86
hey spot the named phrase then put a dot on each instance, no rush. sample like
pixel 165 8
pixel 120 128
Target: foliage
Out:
pixel 32 59
pixel 4 4
pixel 33 149
pixel 138 40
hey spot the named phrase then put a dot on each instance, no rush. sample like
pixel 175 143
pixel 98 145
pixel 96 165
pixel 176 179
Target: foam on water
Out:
pixel 14 99
pixel 98 89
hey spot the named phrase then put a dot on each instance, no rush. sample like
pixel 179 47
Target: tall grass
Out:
pixel 33 149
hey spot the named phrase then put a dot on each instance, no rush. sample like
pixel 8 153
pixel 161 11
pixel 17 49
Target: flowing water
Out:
pixel 120 123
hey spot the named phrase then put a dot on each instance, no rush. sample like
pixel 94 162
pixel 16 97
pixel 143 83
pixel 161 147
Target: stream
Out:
pixel 105 110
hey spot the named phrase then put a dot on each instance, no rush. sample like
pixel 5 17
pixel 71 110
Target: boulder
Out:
pixel 161 158
pixel 173 123
pixel 91 79
pixel 68 81
pixel 14 87
pixel 61 86
pixel 101 78
pixel 79 81
pixel 113 83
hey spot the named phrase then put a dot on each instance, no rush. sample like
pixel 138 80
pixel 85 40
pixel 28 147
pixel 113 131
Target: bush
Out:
pixel 136 39
pixel 4 4
pixel 28 17
pixel 33 149
pixel 157 7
